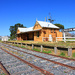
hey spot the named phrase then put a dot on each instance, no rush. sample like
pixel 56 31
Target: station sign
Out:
pixel 68 30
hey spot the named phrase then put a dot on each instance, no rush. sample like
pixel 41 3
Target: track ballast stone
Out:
pixel 15 66
pixel 49 66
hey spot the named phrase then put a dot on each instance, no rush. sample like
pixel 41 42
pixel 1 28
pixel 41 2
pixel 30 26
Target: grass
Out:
pixel 65 72
pixel 2 74
pixel 36 49
pixel 16 45
pixel 67 44
pixel 42 51
pixel 22 46
pixel 62 54
pixel 71 39
pixel 73 54
pixel 46 51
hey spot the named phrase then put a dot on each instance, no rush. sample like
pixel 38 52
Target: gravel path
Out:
pixel 46 65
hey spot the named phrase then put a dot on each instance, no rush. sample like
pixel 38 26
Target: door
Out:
pixel 50 37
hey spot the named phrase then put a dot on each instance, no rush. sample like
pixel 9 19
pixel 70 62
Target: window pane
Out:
pixel 37 34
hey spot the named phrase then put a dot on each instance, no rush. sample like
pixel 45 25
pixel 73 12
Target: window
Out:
pixel 51 31
pixel 44 32
pixel 37 34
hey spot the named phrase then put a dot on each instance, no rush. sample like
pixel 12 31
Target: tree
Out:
pixel 13 30
pixel 73 34
pixel 60 26
pixel 50 19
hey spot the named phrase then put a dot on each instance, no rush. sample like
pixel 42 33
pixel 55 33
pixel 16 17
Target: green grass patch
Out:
pixel 16 45
pixel 62 54
pixel 46 51
pixel 2 74
pixel 59 43
pixel 73 54
pixel 36 49
pixel 22 46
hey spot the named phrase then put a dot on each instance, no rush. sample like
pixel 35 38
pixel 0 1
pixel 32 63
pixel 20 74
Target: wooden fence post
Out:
pixel 32 46
pixel 26 45
pixel 55 50
pixel 21 44
pixel 17 43
pixel 41 48
pixel 11 43
pixel 70 52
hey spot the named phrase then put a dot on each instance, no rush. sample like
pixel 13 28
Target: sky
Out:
pixel 26 12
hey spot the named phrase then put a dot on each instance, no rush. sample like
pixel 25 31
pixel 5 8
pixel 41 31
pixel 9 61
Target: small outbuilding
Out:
pixel 4 38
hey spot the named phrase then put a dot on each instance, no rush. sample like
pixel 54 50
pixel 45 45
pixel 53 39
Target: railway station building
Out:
pixel 41 31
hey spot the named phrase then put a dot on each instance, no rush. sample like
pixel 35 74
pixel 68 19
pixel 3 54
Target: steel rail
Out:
pixel 48 54
pixel 71 67
pixel 4 69
pixel 36 67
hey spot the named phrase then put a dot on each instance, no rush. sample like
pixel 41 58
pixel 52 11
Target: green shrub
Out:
pixel 62 54
pixel 46 51
pixel 9 39
pixel 73 54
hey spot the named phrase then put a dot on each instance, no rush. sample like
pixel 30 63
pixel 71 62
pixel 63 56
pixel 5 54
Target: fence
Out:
pixel 70 50
pixel 65 39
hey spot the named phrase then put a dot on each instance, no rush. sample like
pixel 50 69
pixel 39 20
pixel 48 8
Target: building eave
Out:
pixel 29 31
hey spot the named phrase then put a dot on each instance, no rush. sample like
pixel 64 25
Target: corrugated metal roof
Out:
pixel 47 24
pixel 29 31
pixel 42 23
pixel 25 29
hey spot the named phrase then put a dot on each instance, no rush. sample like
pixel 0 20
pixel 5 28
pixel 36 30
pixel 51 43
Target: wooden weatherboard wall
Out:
pixel 38 35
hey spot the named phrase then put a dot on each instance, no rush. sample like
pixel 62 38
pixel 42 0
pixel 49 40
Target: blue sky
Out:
pixel 26 12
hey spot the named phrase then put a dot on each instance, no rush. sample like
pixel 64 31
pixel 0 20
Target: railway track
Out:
pixel 45 53
pixel 47 62
pixel 3 70
pixel 46 57
pixel 13 65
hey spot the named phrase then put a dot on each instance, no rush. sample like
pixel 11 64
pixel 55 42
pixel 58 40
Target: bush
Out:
pixel 62 54
pixel 73 54
pixel 8 39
